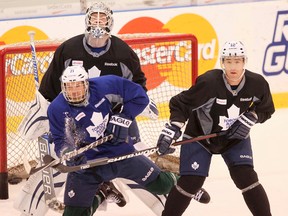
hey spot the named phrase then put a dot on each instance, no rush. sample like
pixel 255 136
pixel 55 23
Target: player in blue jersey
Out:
pixel 82 114
pixel 230 99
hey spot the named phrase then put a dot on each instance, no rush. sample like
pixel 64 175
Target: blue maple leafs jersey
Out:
pixel 71 125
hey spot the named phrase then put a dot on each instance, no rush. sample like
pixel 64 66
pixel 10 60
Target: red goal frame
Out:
pixel 4 50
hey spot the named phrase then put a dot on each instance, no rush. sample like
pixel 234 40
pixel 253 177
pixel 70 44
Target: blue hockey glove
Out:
pixel 240 129
pixel 168 135
pixel 118 126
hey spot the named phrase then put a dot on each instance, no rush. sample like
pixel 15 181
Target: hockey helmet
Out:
pixel 74 85
pixel 99 20
pixel 233 49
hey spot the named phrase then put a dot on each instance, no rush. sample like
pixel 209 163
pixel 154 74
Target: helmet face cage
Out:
pixel 99 20
pixel 74 85
pixel 233 49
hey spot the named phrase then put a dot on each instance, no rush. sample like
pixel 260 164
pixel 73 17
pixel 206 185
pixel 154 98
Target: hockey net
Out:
pixel 168 60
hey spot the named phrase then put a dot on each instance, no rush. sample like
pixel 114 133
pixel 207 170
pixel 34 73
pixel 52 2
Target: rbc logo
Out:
pixel 276 54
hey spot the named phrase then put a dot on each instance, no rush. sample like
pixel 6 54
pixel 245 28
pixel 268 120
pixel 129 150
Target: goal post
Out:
pixel 169 61
pixel 3 139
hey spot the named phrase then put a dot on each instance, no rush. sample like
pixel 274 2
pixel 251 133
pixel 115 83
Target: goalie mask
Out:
pixel 74 85
pixel 99 20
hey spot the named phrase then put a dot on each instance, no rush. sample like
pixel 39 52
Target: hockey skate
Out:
pixel 112 194
pixel 202 196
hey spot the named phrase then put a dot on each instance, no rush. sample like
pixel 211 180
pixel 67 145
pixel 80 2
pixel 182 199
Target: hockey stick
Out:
pixel 71 154
pixel 34 58
pixel 52 162
pixel 202 137
pixel 43 143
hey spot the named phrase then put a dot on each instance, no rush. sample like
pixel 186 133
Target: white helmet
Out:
pixel 233 48
pixel 74 85
pixel 98 27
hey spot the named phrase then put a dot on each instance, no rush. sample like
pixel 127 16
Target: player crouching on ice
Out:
pixel 82 114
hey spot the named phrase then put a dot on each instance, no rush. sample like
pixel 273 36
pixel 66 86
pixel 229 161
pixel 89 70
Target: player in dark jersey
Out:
pixel 230 100
pixel 99 52
pixel 86 105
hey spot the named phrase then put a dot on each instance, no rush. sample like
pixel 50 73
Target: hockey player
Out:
pixel 85 106
pixel 233 100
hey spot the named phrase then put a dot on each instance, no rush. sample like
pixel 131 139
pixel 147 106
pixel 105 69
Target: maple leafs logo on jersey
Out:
pixel 100 124
pixel 94 72
pixel 233 114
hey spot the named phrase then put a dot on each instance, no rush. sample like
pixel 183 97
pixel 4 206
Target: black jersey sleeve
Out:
pixel 138 74
pixel 264 106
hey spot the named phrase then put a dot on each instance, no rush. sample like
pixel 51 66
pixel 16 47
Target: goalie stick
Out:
pixel 30 204
pixel 47 173
pixel 56 163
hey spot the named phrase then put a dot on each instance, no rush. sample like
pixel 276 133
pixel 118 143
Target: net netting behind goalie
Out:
pixel 168 60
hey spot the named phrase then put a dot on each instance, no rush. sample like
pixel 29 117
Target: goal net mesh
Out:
pixel 169 62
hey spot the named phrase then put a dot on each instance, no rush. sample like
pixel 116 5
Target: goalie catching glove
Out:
pixel 168 135
pixel 118 126
pixel 240 129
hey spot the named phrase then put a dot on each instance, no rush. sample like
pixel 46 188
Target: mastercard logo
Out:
pixel 208 45
pixel 20 34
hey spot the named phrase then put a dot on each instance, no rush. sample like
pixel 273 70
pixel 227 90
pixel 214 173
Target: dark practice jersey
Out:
pixel 117 59
pixel 211 105
pixel 89 122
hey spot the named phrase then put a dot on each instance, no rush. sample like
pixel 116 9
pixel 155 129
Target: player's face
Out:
pixel 75 91
pixel 234 68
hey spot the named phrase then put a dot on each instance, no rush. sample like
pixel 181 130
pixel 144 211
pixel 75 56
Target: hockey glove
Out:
pixel 151 111
pixel 168 135
pixel 241 127
pixel 118 126
pixel 74 161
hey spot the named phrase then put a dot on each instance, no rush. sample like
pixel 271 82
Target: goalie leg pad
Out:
pixel 35 123
pixel 163 184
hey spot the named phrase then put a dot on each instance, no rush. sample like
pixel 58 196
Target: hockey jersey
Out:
pixel 212 105
pixel 78 126
pixel 117 59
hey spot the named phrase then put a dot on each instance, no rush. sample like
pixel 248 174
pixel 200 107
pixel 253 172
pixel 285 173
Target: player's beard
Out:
pixel 97 42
